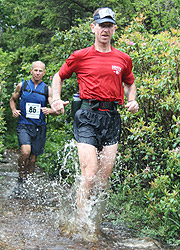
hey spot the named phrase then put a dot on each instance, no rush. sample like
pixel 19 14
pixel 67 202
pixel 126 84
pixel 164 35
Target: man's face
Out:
pixel 103 32
pixel 37 72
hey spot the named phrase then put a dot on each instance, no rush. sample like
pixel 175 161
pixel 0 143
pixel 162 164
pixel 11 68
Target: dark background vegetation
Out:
pixel 145 190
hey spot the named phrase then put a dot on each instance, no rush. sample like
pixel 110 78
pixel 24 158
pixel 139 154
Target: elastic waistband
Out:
pixel 99 105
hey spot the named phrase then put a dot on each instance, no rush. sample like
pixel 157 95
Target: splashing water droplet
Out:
pixel 86 223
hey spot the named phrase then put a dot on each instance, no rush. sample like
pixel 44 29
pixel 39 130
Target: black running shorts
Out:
pixel 97 128
pixel 33 136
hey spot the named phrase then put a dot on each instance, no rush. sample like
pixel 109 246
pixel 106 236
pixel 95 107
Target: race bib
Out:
pixel 33 110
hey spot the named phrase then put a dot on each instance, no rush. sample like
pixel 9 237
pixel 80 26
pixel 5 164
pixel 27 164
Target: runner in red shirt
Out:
pixel 101 71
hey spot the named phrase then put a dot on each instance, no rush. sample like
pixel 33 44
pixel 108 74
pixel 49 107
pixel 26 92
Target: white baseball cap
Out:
pixel 105 15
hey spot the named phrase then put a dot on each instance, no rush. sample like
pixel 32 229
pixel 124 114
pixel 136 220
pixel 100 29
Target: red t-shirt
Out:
pixel 99 75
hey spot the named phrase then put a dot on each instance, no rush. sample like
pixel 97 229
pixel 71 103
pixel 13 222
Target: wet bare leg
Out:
pixel 23 161
pixel 89 167
pixel 22 167
pixel 96 168
pixel 106 160
pixel 31 164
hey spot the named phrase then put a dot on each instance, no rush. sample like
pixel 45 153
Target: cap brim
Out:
pixel 105 20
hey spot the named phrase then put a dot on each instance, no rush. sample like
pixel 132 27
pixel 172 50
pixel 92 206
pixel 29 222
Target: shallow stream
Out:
pixel 32 222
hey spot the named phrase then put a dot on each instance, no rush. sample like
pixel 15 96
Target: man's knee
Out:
pixel 25 151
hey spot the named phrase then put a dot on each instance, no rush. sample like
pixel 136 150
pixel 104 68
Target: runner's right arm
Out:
pixel 57 104
pixel 12 102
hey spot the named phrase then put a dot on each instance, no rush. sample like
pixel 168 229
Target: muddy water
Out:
pixel 32 221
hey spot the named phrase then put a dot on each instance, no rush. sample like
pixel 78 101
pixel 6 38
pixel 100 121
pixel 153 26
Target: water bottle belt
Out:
pixel 98 105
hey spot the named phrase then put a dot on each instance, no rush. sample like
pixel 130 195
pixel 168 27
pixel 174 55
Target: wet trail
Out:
pixel 33 222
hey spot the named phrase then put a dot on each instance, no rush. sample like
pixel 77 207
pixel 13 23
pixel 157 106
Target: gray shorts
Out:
pixel 97 128
pixel 32 135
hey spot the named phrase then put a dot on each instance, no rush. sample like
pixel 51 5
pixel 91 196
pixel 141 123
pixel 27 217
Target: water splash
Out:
pixel 86 224
pixel 61 194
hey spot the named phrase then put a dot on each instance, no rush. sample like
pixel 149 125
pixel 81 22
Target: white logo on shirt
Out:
pixel 116 69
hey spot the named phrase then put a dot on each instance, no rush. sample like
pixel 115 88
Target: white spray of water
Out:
pixel 61 196
pixel 85 225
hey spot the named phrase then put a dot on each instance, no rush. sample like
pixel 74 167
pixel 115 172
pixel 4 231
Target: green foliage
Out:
pixel 65 42
pixel 2 129
pixel 150 210
pixel 35 22
pixel 63 15
pixel 163 206
pixel 32 22
pixel 159 14
pixel 150 152
pixel 3 95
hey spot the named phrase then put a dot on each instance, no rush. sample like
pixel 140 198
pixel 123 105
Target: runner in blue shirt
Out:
pixel 31 127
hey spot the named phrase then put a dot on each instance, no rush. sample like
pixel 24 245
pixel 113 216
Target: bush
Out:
pixel 3 96
pixel 149 162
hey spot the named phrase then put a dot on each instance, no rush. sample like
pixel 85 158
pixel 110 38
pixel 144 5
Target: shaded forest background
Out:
pixel 145 183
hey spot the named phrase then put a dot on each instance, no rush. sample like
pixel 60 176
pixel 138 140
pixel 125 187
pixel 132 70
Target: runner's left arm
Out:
pixel 130 91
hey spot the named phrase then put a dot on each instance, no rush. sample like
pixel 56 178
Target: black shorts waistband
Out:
pixel 99 105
